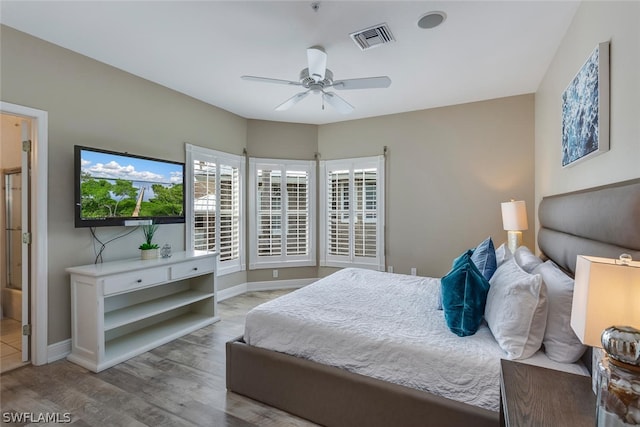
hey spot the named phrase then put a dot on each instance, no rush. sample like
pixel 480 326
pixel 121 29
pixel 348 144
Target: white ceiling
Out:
pixel 484 49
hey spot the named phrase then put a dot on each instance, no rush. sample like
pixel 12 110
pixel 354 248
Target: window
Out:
pixel 352 213
pixel 215 195
pixel 281 226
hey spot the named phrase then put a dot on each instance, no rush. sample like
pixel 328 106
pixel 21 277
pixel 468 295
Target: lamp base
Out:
pixel 514 239
pixel 618 400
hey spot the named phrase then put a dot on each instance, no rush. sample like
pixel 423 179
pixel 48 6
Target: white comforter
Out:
pixel 385 326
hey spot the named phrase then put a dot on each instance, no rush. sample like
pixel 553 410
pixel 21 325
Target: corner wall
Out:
pixel 279 140
pixel 447 171
pixel 594 22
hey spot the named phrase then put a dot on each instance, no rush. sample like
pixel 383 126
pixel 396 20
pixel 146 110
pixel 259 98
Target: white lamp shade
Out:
pixel 606 293
pixel 514 215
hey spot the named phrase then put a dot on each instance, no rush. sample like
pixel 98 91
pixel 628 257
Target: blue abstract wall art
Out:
pixel 585 109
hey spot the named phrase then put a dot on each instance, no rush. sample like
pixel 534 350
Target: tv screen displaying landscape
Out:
pixel 114 187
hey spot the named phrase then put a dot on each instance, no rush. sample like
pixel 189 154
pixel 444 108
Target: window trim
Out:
pixel 283 260
pixel 194 152
pixel 327 260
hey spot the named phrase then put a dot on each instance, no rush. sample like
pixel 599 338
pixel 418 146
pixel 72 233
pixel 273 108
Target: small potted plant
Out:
pixel 148 249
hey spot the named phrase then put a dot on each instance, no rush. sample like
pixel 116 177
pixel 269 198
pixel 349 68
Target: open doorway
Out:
pixel 23 245
pixel 14 285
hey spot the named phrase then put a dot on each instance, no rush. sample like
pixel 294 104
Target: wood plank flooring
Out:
pixel 181 383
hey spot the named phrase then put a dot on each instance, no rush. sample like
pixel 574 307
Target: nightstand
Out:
pixel 534 396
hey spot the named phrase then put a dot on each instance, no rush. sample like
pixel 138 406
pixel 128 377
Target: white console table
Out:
pixel 120 309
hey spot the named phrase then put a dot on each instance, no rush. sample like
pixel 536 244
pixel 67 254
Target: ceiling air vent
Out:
pixel 372 36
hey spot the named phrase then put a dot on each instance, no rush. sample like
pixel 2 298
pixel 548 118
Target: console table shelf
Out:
pixel 124 347
pixel 123 308
pixel 143 310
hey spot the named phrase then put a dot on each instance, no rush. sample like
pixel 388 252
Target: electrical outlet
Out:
pixel 414 271
pixel 275 274
pixel 390 269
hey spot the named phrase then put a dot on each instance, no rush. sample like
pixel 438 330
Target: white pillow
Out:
pixel 560 342
pixel 503 253
pixel 526 259
pixel 516 310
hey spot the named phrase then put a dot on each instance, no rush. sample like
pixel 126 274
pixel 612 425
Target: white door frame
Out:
pixel 25 214
pixel 38 226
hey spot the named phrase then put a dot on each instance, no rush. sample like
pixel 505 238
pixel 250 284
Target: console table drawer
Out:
pixel 134 280
pixel 192 268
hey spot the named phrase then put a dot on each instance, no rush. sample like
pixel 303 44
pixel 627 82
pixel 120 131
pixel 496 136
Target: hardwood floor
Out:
pixel 181 383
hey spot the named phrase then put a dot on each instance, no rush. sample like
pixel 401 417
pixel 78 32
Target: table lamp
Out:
pixel 514 220
pixel 606 313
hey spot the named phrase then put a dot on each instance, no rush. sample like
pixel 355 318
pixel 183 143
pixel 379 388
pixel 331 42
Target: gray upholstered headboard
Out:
pixel 602 221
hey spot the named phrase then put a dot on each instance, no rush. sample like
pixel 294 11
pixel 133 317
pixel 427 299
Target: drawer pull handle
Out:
pixel 195 268
pixel 139 281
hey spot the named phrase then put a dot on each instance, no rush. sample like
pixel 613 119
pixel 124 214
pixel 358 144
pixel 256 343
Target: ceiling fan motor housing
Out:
pixel 309 82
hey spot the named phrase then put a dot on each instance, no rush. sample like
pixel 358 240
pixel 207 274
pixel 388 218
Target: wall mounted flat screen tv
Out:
pixel 116 189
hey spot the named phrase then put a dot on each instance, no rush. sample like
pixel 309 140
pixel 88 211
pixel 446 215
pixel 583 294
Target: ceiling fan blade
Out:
pixel 269 80
pixel 317 60
pixel 338 103
pixel 292 101
pixel 363 83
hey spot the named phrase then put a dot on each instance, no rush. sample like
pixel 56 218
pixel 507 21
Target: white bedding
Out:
pixel 385 326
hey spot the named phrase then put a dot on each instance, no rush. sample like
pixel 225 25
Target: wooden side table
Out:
pixel 535 396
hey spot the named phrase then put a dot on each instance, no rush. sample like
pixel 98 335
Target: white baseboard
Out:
pixel 58 351
pixel 263 286
pixel 231 292
pixel 62 349
pixel 279 284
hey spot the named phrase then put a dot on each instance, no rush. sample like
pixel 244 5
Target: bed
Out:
pixel 398 390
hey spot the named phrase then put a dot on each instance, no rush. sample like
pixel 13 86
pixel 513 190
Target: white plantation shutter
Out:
pixel 214 206
pixel 338 225
pixel 281 218
pixel 269 212
pixel 297 212
pixel 366 212
pixel 229 224
pixel 352 212
pixel 204 205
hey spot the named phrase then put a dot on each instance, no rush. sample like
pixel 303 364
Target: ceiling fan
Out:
pixel 317 78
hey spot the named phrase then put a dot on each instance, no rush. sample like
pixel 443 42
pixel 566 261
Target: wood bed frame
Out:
pixel 603 221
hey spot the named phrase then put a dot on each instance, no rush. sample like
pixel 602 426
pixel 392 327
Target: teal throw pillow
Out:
pixel 464 294
pixel 456 263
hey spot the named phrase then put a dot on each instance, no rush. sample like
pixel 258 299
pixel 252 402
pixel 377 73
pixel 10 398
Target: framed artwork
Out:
pixel 585 110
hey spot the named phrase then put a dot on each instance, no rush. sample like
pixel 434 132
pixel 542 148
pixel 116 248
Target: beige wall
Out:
pixel 594 22
pixel 281 140
pixel 464 160
pixel 447 169
pixel 90 103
